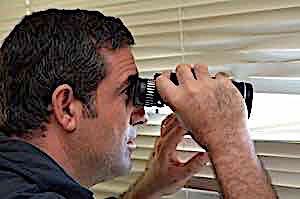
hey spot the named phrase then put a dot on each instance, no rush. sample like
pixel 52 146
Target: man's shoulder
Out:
pixel 14 186
pixel 27 172
pixel 17 186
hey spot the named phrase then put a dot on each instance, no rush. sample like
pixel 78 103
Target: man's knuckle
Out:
pixel 159 79
pixel 179 67
pixel 191 90
pixel 201 66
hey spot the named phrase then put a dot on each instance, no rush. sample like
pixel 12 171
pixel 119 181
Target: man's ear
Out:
pixel 65 107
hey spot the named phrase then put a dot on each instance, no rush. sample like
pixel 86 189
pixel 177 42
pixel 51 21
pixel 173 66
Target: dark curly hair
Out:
pixel 47 49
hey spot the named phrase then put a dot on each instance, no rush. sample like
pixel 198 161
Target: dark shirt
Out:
pixel 28 173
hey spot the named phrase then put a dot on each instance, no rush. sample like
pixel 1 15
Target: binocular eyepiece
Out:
pixel 143 92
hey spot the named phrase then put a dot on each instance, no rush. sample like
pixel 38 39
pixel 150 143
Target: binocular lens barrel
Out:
pixel 144 92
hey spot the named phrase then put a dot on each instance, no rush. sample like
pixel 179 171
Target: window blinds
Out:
pixel 10 13
pixel 256 41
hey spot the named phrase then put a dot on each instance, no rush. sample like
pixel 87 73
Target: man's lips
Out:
pixel 131 133
pixel 131 145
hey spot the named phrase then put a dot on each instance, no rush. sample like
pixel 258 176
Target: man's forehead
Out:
pixel 111 56
pixel 120 62
pixel 104 51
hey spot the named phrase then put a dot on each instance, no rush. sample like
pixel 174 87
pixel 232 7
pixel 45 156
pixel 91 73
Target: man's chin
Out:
pixel 117 171
pixel 126 169
pixel 123 169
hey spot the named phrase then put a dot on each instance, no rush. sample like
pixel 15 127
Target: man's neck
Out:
pixel 53 145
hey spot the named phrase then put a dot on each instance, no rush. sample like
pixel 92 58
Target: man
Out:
pixel 68 123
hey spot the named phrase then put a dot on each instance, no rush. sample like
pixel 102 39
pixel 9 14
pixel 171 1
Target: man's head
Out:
pixel 65 72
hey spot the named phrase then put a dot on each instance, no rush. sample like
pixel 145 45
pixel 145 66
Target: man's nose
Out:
pixel 138 116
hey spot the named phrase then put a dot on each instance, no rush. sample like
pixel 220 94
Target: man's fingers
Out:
pixel 201 71
pixel 172 139
pixel 222 75
pixel 184 73
pixel 156 144
pixel 167 124
pixel 166 89
pixel 195 164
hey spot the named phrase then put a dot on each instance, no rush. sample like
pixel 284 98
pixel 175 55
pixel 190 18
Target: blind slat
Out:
pixel 201 41
pixel 274 163
pixel 289 179
pixel 83 4
pixel 267 148
pixel 283 86
pixel 275 21
pixel 278 63
pixel 196 9
pixel 195 183
pixel 156 5
pixel 135 16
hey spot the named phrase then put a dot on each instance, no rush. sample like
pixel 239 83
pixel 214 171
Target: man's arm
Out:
pixel 214 111
pixel 238 170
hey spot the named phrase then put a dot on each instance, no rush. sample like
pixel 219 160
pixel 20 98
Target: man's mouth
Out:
pixel 131 133
pixel 131 145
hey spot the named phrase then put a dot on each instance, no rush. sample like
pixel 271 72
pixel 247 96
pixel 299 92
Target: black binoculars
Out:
pixel 143 92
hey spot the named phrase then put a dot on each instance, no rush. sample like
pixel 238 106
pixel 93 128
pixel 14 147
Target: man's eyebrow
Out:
pixel 127 81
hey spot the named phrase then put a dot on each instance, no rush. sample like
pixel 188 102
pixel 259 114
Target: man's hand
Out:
pixel 164 173
pixel 164 169
pixel 208 107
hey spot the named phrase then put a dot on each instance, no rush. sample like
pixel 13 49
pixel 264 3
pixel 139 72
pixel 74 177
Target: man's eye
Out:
pixel 126 92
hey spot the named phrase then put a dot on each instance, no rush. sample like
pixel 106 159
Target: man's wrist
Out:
pixel 219 140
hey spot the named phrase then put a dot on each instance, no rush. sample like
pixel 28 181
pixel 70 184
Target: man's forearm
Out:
pixel 239 172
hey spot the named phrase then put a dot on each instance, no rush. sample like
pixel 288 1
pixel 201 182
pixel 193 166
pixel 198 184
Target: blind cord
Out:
pixel 180 23
pixel 28 7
